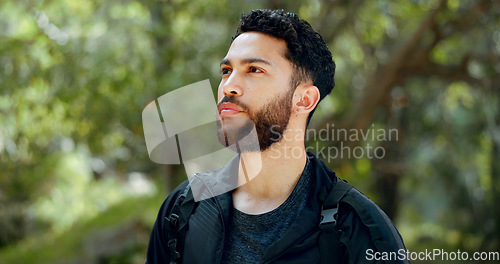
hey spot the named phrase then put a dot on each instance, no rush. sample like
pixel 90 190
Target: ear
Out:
pixel 307 97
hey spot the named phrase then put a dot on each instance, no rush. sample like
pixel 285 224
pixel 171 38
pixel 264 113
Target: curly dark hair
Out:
pixel 307 50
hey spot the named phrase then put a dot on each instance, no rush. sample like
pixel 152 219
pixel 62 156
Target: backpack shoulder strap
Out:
pixel 384 234
pixel 330 206
pixel 176 223
pixel 330 248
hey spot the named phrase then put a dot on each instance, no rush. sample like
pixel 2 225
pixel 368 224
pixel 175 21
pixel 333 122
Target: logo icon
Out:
pixel 180 127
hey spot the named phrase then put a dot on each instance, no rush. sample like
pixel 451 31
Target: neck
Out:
pixel 272 175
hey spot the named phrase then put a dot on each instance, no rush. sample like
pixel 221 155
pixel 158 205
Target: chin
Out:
pixel 240 137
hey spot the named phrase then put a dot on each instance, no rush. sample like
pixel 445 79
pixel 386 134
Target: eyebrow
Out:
pixel 246 61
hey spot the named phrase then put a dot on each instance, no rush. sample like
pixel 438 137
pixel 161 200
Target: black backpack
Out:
pixel 330 248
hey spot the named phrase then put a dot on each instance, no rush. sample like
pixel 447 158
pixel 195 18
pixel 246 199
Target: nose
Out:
pixel 232 85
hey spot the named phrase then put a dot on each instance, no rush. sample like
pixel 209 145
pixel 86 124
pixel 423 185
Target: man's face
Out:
pixel 255 90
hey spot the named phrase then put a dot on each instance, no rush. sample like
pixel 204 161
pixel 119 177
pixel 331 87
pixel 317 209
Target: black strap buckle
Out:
pixel 173 221
pixel 329 216
pixel 174 254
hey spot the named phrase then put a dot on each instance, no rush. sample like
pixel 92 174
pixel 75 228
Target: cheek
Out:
pixel 220 94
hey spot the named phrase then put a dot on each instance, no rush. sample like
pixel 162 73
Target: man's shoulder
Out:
pixel 179 189
pixel 356 204
pixel 171 199
pixel 368 211
pixel 360 216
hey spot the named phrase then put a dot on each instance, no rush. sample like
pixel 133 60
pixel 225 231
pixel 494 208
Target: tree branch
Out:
pixel 386 77
pixel 411 59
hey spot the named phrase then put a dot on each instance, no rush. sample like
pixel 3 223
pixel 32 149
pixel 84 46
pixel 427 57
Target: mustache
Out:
pixel 232 99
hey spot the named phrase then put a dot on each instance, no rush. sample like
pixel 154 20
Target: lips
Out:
pixel 227 109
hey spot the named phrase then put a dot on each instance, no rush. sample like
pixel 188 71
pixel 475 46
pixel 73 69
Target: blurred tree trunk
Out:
pixel 390 169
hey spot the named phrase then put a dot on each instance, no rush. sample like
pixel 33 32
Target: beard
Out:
pixel 260 130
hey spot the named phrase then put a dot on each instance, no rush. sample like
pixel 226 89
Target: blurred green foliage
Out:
pixel 75 76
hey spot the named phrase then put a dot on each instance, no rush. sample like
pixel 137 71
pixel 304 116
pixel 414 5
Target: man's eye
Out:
pixel 253 69
pixel 225 71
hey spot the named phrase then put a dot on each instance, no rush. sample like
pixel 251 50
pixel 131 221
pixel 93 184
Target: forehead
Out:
pixel 257 45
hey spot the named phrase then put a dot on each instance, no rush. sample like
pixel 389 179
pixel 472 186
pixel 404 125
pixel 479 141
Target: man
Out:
pixel 275 73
